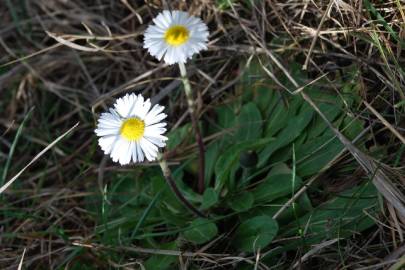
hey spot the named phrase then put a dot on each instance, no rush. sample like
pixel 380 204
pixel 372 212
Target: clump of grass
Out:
pixel 72 208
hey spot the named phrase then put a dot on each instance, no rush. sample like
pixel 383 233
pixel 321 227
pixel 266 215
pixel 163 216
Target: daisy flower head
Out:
pixel 132 130
pixel 176 36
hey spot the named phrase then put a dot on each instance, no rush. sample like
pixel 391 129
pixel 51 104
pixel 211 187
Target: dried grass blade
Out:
pixel 22 260
pixel 52 144
pixel 71 44
pixel 385 122
pixel 380 180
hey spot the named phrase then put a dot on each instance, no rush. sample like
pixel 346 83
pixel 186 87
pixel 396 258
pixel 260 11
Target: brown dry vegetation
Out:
pixel 99 56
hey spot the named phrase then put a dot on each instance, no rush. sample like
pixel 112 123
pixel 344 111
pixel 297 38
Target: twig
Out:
pixel 317 34
pixel 151 250
pixel 169 179
pixel 385 122
pixel 191 107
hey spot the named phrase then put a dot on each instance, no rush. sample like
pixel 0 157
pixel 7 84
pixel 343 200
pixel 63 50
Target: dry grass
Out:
pixel 68 59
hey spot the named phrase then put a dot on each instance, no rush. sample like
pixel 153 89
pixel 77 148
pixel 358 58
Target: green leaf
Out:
pixel 177 136
pixel 230 157
pixel 351 127
pixel 285 153
pixel 285 109
pixel 162 261
pixel 293 129
pixel 341 216
pixel 241 202
pixel 277 119
pixel 169 201
pixel 225 125
pixel 249 123
pixel 201 231
pixel 210 198
pixel 264 98
pixel 211 157
pixel 318 126
pixel 226 116
pixel 173 218
pixel 255 233
pixel 276 186
pixel 145 213
pixel 315 154
pixel 279 168
pixel 300 207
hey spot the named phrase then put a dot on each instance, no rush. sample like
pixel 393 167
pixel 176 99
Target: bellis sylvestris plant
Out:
pixel 176 36
pixel 132 130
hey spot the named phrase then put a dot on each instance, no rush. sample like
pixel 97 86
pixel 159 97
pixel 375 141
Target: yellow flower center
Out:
pixel 132 129
pixel 177 35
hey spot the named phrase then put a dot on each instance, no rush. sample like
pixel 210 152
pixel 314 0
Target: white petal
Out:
pixel 106 131
pixel 169 56
pixel 106 143
pixel 156 141
pixel 126 154
pixel 151 116
pixel 116 150
pixel 167 18
pixel 136 108
pixel 139 152
pixel 123 105
pixel 157 119
pixel 151 131
pixel 158 125
pixel 149 149
pixel 145 109
pixel 109 119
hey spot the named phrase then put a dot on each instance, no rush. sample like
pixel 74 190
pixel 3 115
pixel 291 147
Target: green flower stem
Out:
pixel 194 122
pixel 170 181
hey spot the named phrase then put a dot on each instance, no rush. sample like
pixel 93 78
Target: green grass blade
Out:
pixel 13 146
pixel 146 212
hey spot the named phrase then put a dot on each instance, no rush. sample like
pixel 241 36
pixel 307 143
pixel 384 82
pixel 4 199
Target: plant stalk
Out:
pixel 169 179
pixel 194 122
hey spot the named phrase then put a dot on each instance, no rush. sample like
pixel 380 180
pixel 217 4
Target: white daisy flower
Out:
pixel 132 130
pixel 176 36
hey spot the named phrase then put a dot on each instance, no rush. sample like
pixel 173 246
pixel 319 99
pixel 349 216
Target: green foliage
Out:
pixel 75 209
pixel 228 161
pixel 224 4
pixel 177 136
pixel 240 202
pixel 255 233
pixel 380 19
pixel 339 217
pixel 4 170
pixel 210 198
pixel 160 262
pixel 249 123
pixel 293 129
pixel 202 230
pixel 163 262
pixel 275 186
